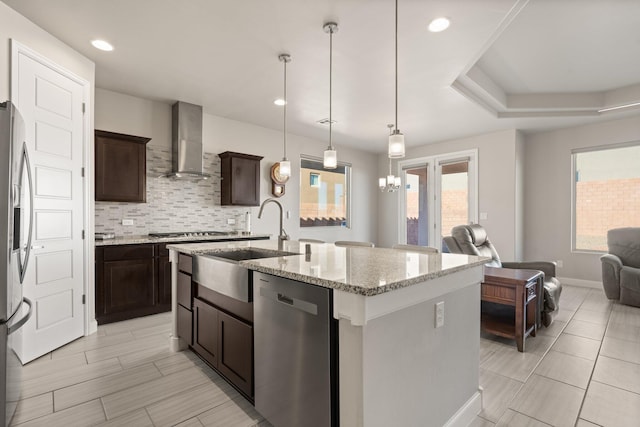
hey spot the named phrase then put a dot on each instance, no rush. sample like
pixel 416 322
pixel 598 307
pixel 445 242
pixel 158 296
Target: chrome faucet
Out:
pixel 283 234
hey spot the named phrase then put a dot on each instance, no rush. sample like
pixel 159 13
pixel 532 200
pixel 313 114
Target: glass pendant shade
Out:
pixel 285 167
pixel 396 145
pixel 330 158
pixel 382 182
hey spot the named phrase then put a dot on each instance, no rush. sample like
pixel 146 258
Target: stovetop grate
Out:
pixel 188 234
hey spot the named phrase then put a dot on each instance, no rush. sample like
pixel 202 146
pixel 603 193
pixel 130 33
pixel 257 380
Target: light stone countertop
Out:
pixel 357 270
pixel 131 240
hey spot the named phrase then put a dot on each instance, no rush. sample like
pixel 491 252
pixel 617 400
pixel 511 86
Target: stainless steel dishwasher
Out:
pixel 295 352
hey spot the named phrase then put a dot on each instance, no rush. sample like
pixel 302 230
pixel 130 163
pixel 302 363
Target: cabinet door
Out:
pixel 128 287
pixel 245 182
pixel 120 167
pixel 185 324
pixel 235 352
pixel 164 281
pixel 205 331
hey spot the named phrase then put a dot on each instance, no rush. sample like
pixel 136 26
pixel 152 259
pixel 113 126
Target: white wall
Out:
pixel 548 192
pixel 17 27
pixel 497 188
pixel 127 114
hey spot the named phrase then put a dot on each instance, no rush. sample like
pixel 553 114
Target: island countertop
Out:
pixel 356 270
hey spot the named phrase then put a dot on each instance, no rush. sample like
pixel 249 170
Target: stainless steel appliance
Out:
pixel 16 219
pixel 295 353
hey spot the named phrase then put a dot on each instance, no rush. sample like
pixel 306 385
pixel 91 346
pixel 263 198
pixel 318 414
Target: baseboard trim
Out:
pixel 593 284
pixel 93 327
pixel 468 412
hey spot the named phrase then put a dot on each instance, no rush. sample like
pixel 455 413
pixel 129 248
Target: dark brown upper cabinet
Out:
pixel 240 179
pixel 121 167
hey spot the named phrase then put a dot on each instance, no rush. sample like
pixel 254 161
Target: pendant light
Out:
pixel 396 139
pixel 330 160
pixel 285 164
pixel 390 183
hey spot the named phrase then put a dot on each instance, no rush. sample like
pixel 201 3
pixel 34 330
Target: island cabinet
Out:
pixel 223 336
pixel 131 281
pixel 185 299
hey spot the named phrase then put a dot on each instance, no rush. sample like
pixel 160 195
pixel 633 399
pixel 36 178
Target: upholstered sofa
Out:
pixel 473 240
pixel 621 266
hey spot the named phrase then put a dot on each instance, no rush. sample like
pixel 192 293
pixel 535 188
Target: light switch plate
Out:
pixel 484 215
pixel 127 222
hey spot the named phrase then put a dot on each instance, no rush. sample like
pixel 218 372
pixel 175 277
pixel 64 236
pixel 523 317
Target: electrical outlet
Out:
pixel 439 320
pixel 231 221
pixel 127 222
pixel 484 215
pixel 559 263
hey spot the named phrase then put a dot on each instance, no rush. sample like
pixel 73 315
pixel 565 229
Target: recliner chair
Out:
pixel 473 240
pixel 621 266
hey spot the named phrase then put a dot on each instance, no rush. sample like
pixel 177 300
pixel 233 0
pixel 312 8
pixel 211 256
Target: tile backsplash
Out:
pixel 172 205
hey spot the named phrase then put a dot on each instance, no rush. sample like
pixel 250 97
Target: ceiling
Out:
pixel 531 65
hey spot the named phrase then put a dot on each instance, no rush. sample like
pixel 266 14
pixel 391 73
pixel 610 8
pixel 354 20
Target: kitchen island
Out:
pixel 395 366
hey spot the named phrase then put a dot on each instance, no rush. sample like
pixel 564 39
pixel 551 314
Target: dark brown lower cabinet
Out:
pixel 164 281
pixel 185 324
pixel 131 281
pixel 226 343
pixel 235 351
pixel 205 331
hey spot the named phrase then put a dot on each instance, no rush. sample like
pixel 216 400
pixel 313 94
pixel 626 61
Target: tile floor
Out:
pixel 582 371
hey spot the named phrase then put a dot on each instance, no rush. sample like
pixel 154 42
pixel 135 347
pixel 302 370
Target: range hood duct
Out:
pixel 186 142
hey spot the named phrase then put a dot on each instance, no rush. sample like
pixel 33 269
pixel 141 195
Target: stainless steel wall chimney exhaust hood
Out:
pixel 186 142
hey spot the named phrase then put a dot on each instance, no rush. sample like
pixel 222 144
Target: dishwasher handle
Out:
pixel 285 299
pixel 295 303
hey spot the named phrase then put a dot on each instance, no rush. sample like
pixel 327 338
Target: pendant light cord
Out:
pixel 330 86
pixel 285 111
pixel 396 65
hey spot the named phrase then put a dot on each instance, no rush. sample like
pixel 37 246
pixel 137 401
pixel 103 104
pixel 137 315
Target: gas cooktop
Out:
pixel 188 234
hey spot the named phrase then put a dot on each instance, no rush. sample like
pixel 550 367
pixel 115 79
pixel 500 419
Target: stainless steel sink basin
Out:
pixel 247 254
pixel 220 271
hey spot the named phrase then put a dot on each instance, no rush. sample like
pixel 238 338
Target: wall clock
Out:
pixel 277 181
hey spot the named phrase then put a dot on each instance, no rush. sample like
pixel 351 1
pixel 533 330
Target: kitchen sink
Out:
pixel 247 254
pixel 220 271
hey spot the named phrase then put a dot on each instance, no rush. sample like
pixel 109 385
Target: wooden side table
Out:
pixel 516 288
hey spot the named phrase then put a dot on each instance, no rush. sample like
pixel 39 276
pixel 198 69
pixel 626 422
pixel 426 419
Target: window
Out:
pixel 440 192
pixel 606 194
pixel 324 194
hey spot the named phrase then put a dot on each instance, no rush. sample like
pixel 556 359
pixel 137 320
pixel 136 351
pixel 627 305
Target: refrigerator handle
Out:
pixel 22 321
pixel 27 163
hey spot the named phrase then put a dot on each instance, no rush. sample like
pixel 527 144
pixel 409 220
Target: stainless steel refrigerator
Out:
pixel 16 219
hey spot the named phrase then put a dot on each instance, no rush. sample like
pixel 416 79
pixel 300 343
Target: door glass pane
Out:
pixel 454 195
pixel 416 206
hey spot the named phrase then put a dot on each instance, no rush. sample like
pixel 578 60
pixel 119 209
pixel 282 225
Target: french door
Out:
pixel 440 192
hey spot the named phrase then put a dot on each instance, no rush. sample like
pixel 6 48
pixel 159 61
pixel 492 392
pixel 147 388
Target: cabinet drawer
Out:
pixel 184 290
pixel 184 264
pixel 128 252
pixel 185 324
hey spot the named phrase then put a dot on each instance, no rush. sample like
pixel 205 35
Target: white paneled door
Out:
pixel 51 103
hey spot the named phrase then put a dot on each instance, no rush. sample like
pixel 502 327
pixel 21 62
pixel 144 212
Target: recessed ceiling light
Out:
pixel 280 102
pixel 102 45
pixel 439 24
